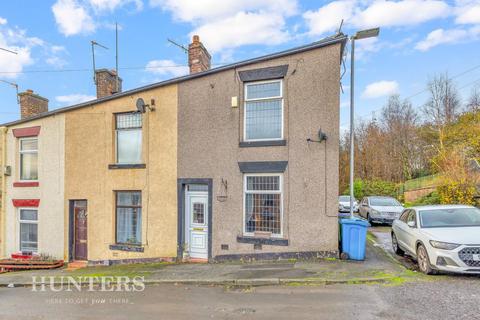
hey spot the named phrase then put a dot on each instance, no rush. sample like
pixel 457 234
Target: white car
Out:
pixel 441 238
pixel 344 204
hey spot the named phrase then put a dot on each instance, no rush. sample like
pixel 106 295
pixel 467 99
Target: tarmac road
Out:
pixel 440 298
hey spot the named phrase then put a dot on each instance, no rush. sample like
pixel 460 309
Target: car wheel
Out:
pixel 370 220
pixel 396 247
pixel 424 261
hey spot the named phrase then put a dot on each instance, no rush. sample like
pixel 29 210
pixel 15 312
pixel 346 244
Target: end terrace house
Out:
pixel 238 161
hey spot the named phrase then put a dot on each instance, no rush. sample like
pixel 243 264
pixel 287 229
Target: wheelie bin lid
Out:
pixel 355 221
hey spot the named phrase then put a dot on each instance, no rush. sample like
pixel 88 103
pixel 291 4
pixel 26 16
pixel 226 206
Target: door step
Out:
pixel 74 265
pixel 195 260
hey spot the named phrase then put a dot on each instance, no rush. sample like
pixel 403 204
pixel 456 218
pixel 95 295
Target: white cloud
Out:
pixel 72 18
pixel 400 13
pixel 3 21
pixel 206 10
pixel 166 68
pixel 380 89
pixel 75 98
pixel 449 36
pixel 227 24
pixel 467 12
pixel 16 40
pixel 243 29
pixel 366 14
pixel 328 17
pixel 111 5
pixel 440 36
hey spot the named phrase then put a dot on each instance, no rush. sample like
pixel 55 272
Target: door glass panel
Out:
pixel 198 213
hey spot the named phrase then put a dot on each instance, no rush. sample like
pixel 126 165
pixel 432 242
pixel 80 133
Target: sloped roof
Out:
pixel 339 38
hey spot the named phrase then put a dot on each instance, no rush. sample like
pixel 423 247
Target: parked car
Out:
pixel 440 237
pixel 379 209
pixel 344 204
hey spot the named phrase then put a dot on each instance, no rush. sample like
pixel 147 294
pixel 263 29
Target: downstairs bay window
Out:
pixel 263 201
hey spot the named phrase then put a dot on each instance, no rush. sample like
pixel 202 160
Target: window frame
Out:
pixel 20 221
pixel 139 244
pixel 245 191
pixel 245 93
pixel 20 152
pixel 128 129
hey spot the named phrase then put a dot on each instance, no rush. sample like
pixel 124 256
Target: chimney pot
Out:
pixel 32 104
pixel 198 57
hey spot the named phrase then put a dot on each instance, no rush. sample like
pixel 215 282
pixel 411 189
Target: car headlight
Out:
pixel 443 245
pixel 375 212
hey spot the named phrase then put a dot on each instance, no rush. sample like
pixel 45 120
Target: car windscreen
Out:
pixel 449 218
pixel 384 202
pixel 345 199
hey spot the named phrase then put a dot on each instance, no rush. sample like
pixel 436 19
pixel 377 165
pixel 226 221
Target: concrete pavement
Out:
pixel 377 267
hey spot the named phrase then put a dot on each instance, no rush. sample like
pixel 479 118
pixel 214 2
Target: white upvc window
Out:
pixel 263 204
pixel 128 138
pixel 263 112
pixel 28 229
pixel 28 156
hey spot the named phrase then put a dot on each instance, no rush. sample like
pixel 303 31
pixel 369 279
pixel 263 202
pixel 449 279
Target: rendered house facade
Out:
pixel 218 167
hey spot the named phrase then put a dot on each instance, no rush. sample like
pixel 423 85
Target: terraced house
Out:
pixel 239 161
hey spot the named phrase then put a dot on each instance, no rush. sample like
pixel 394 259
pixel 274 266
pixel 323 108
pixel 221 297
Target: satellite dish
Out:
pixel 141 106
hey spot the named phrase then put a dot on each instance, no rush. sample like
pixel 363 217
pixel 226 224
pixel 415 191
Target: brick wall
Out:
pixel 106 83
pixel 198 57
pixel 32 104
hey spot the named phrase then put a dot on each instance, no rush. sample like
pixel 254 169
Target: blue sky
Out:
pixel 418 39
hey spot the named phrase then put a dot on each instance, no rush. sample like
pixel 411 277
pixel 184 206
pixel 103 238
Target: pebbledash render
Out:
pixel 220 164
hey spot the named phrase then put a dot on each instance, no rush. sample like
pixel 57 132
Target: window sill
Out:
pixel 269 143
pixel 127 247
pixel 127 166
pixel 24 184
pixel 266 241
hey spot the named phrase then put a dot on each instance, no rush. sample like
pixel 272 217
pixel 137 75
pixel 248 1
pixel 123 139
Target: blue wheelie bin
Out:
pixel 354 237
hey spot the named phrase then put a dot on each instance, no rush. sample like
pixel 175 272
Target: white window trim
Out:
pixel 20 221
pixel 259 99
pixel 20 152
pixel 127 129
pixel 251 234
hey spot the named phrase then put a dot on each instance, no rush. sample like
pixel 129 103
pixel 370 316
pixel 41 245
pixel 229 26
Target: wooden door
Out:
pixel 80 216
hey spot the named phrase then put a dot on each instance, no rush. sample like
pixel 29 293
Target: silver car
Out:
pixel 344 204
pixel 379 209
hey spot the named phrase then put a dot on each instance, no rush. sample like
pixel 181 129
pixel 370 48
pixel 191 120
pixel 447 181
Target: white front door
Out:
pixel 196 224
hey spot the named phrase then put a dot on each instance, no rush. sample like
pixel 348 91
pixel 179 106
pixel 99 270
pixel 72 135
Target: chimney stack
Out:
pixel 106 82
pixel 198 56
pixel 32 104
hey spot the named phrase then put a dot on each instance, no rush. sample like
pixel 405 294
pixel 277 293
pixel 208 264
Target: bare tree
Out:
pixel 399 123
pixel 473 104
pixel 443 105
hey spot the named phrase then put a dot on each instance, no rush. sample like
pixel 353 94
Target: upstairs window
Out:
pixel 129 137
pixel 28 159
pixel 263 111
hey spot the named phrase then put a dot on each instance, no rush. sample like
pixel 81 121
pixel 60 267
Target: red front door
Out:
pixel 80 216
